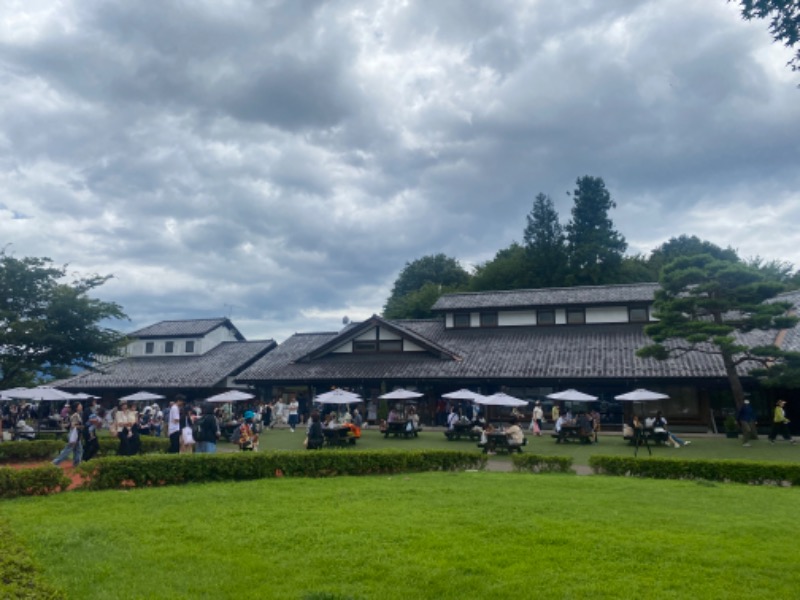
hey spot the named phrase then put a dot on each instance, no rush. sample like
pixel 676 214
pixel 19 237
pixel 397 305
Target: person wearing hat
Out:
pixel 747 423
pixel 780 424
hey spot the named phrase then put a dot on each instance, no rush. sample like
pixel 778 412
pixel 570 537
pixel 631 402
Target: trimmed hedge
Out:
pixel 20 576
pixel 140 471
pixel 48 449
pixel 734 471
pixel 32 482
pixel 537 463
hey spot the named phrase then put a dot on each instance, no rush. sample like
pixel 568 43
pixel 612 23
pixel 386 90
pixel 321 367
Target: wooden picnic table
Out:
pixel 465 430
pixel 338 436
pixel 498 441
pixel 575 433
pixel 398 428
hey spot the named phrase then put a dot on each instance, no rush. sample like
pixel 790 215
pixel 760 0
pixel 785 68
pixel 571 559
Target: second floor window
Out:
pixel 461 320
pixel 488 319
pixel 169 347
pixel 189 347
pixel 149 347
pixel 576 316
pixel 546 317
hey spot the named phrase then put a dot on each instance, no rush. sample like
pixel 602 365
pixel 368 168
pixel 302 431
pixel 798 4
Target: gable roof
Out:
pixel 502 353
pixel 198 371
pixel 583 296
pixel 185 328
pixel 354 331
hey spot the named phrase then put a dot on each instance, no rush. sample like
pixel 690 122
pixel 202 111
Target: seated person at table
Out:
pixel 23 431
pixel 488 446
pixel 560 422
pixel 346 417
pixel 452 418
pixel 330 421
pixel 413 418
pixel 315 437
pixel 514 433
pixel 395 416
pixel 585 427
pixel 660 427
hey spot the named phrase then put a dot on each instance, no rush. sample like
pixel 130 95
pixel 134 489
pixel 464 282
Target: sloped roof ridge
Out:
pixel 557 289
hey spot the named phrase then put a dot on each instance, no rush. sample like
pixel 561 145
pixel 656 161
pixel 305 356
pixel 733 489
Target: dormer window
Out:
pixel 149 347
pixel 576 316
pixel 169 347
pixel 545 317
pixel 461 320
pixel 365 347
pixel 488 319
pixel 189 349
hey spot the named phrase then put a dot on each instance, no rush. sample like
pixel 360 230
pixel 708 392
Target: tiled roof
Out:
pixel 202 371
pixel 598 294
pixel 184 328
pixel 593 351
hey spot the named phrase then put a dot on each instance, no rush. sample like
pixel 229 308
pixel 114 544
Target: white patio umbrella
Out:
pixel 501 399
pixel 641 395
pixel 142 397
pixel 463 394
pixel 84 396
pixel 338 396
pixel 401 394
pixel 571 395
pixel 42 393
pixel 231 396
pixel 7 394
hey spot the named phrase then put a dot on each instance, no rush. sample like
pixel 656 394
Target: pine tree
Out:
pixel 595 248
pixel 545 244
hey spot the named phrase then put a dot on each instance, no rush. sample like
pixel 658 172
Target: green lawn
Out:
pixel 455 535
pixel 702 446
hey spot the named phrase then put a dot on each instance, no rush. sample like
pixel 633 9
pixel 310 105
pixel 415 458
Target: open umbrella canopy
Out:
pixel 338 396
pixel 641 395
pixel 142 397
pixel 85 396
pixel 231 396
pixel 572 396
pixel 401 394
pixel 501 399
pixel 8 394
pixel 42 393
pixel 463 394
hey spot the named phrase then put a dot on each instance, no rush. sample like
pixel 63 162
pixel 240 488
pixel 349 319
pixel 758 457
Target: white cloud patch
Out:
pixel 280 162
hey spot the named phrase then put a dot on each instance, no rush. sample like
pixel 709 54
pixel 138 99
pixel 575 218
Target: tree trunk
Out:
pixel 733 379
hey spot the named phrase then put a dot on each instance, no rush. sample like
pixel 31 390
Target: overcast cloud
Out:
pixel 280 161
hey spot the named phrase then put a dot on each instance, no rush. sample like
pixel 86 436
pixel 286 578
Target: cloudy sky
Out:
pixel 280 161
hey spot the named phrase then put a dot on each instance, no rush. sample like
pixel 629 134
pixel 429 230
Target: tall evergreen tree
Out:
pixel 595 247
pixel 443 273
pixel 545 244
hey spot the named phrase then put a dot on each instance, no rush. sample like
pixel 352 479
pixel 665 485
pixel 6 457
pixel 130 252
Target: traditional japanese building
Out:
pixel 194 357
pixel 527 343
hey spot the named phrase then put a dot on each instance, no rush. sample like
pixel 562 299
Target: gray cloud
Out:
pixel 281 161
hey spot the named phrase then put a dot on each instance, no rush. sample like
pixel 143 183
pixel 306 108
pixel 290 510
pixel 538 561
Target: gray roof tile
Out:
pixel 583 296
pixel 184 328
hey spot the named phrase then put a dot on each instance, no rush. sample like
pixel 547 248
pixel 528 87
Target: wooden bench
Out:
pixel 459 430
pixel 397 429
pixel 499 442
pixel 573 433
pixel 340 436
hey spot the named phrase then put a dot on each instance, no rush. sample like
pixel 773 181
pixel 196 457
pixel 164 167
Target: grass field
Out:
pixel 460 535
pixel 454 535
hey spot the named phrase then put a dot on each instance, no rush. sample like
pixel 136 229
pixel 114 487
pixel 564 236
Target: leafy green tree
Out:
pixel 443 272
pixel 636 269
pixel 685 245
pixel 545 244
pixel 784 25
pixel 508 270
pixel 47 325
pixel 595 247
pixel 703 302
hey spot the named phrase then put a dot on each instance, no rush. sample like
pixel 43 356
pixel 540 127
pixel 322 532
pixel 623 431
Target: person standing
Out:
pixel 293 413
pixel 174 424
pixel 92 446
pixel 555 413
pixel 537 419
pixel 780 424
pixel 747 423
pixel 73 446
pixel 208 431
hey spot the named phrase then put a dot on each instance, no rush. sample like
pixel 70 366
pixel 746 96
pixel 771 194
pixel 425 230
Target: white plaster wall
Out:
pixel 411 347
pixel 367 336
pixel 344 348
pixel 607 314
pixel 561 316
pixel 516 318
pixel 389 335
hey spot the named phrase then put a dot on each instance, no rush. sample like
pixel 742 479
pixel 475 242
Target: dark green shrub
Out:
pixel 35 450
pixel 139 471
pixel 735 471
pixel 20 576
pixel 32 482
pixel 535 463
